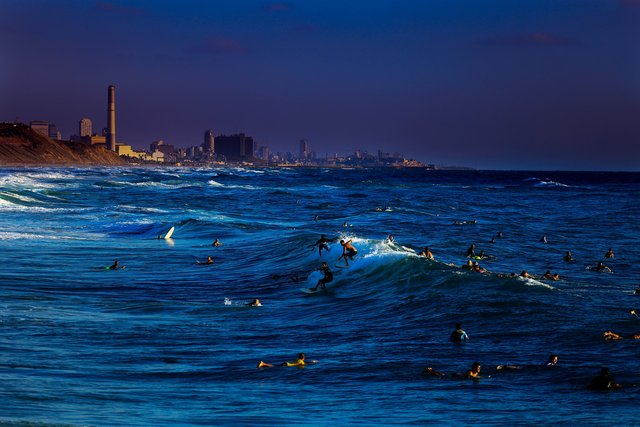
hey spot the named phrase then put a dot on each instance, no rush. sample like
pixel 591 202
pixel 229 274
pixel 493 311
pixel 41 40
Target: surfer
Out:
pixel 500 234
pixel 322 243
pixel 217 243
pixel 315 218
pixel 471 251
pixel 604 381
pixel 634 313
pixel 473 372
pixel 468 265
pixel 328 277
pixel 430 371
pixel 208 261
pixel 390 238
pixel 609 253
pixel 551 361
pixel 255 303
pixel 459 334
pixel 600 268
pixel 115 266
pixel 478 269
pixel 348 251
pixel 568 257
pixel 612 336
pixel 427 253
pixel 526 275
pixel 300 361
pixel 543 239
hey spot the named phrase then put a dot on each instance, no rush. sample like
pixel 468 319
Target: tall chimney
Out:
pixel 111 119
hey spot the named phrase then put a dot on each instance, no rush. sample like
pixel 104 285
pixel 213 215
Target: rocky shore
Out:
pixel 21 146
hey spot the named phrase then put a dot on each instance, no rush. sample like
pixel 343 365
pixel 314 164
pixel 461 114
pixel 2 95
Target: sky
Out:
pixel 489 84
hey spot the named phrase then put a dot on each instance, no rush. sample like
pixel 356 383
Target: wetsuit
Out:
pixel 328 276
pixel 322 243
pixel 458 335
pixel 602 382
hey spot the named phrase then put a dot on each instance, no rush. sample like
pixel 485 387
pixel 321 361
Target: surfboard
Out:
pixel 311 291
pixel 169 233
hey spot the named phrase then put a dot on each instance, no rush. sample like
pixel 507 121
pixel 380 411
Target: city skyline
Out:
pixel 498 85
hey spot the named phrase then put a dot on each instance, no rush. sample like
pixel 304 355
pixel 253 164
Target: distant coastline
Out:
pixel 21 146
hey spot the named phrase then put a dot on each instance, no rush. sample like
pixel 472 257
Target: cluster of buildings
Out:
pixel 221 149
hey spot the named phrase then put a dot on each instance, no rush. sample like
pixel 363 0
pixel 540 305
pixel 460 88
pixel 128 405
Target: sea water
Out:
pixel 165 341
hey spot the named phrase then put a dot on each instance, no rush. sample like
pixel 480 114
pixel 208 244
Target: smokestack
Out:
pixel 111 119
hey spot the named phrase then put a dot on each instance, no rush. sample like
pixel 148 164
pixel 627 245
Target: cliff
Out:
pixel 20 145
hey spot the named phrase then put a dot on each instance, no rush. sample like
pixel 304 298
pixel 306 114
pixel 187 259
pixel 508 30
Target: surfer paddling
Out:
pixel 207 262
pixel 472 373
pixel 115 266
pixel 348 251
pixel 300 361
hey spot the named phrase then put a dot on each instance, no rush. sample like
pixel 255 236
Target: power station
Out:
pixel 111 119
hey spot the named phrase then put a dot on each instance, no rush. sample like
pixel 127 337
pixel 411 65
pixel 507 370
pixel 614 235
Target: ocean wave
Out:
pixel 151 184
pixel 16 196
pixel 8 206
pixel 128 208
pixel 23 182
pixel 537 182
pixel 214 183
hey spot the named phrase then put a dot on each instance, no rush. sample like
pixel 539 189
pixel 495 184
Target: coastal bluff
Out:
pixel 22 146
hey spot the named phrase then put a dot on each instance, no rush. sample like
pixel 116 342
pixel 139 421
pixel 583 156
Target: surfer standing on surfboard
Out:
pixel 348 251
pixel 328 277
pixel 322 243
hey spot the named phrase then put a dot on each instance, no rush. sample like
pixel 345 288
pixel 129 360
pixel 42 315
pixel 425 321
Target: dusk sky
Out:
pixel 519 84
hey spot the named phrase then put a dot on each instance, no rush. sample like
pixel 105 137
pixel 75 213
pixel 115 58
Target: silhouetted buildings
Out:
pixel 45 128
pixel 237 147
pixel 209 144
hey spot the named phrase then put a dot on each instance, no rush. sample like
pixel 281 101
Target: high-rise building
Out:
pixel 264 153
pixel 85 127
pixel 111 118
pixel 40 126
pixel 209 144
pixel 304 149
pixel 53 132
pixel 235 147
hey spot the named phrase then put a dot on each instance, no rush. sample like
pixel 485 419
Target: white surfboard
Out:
pixel 169 233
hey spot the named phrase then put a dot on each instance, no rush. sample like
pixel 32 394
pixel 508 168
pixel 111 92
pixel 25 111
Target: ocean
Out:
pixel 165 341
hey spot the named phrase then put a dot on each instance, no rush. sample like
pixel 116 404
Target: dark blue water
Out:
pixel 167 342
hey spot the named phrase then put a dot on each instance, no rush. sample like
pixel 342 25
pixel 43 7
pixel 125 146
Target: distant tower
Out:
pixel 209 144
pixel 111 119
pixel 86 127
pixel 304 149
